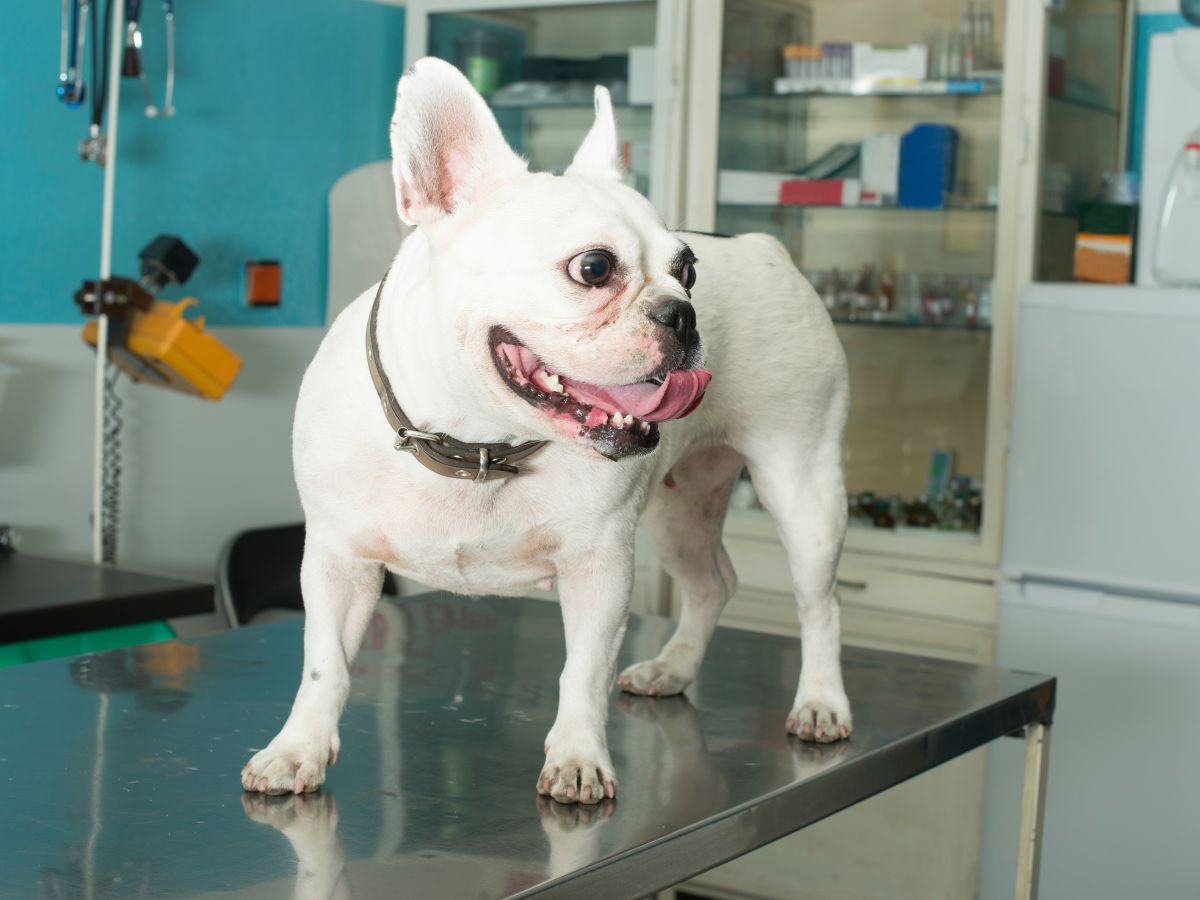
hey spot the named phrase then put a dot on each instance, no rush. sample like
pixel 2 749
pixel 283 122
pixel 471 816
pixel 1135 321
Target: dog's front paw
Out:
pixel 654 678
pixel 577 777
pixel 289 765
pixel 823 719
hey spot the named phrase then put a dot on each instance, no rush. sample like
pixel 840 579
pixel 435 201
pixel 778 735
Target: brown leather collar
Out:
pixel 436 451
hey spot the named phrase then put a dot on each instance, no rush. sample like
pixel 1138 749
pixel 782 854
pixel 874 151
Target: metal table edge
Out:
pixel 763 818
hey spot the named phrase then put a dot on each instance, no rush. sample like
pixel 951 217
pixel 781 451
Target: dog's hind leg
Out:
pixel 340 594
pixel 801 485
pixel 685 516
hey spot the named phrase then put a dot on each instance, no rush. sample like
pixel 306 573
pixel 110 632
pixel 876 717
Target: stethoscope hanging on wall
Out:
pixel 131 64
pixel 72 86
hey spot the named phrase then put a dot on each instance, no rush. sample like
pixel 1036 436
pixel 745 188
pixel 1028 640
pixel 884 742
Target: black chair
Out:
pixel 258 574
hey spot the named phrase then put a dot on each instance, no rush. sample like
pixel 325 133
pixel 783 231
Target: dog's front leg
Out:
pixel 339 596
pixel 594 592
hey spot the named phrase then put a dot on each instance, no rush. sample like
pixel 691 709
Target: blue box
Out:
pixel 927 166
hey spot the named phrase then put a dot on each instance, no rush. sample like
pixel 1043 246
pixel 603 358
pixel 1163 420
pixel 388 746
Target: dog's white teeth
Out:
pixel 628 420
pixel 547 381
pixel 617 421
pixel 645 428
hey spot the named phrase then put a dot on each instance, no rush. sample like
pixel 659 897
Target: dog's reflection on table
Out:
pixel 309 822
pixel 679 780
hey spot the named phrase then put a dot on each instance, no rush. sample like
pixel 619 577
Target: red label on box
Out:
pixel 802 192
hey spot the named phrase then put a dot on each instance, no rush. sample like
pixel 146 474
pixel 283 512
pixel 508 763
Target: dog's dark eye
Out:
pixel 593 268
pixel 687 276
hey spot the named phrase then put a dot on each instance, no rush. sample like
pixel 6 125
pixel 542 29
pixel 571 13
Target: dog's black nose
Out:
pixel 679 316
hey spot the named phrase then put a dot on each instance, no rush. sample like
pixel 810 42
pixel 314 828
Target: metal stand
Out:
pixel 116 45
pixel 1033 806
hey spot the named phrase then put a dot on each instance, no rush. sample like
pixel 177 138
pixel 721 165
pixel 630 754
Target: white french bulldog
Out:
pixel 533 306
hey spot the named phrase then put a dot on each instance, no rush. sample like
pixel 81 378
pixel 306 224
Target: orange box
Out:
pixel 264 282
pixel 161 347
pixel 1103 258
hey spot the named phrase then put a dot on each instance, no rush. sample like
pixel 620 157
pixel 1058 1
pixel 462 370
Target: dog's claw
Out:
pixel 654 678
pixel 822 722
pixel 576 779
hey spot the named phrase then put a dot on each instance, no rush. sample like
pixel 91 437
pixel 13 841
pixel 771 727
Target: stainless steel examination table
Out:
pixel 119 771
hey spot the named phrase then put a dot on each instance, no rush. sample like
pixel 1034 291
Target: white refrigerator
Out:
pixel 1101 588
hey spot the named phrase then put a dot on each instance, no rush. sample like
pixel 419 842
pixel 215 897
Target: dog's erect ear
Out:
pixel 599 155
pixel 447 150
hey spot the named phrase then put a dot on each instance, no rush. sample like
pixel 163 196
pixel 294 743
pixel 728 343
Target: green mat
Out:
pixel 85 642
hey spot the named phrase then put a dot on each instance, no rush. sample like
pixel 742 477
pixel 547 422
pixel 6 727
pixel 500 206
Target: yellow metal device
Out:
pixel 159 346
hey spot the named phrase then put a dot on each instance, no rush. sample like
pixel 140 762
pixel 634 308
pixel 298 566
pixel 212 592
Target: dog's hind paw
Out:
pixel 288 766
pixel 824 723
pixel 653 678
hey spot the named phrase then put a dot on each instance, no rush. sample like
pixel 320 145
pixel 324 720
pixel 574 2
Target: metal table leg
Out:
pixel 1033 805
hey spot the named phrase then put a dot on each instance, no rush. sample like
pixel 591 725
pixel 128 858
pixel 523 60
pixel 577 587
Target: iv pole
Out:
pixel 116 48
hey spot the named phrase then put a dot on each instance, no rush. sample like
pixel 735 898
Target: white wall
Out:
pixel 195 471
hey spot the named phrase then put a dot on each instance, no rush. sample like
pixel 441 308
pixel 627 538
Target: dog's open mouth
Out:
pixel 619 420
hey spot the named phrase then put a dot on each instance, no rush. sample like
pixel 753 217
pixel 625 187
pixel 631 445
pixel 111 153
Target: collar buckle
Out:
pixel 405 437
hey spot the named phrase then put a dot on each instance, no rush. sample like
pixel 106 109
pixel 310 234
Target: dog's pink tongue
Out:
pixel 678 395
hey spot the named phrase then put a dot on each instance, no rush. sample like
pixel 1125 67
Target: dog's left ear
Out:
pixel 598 155
pixel 447 150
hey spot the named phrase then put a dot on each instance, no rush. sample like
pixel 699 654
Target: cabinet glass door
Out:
pixel 537 64
pixel 866 137
pixel 1084 134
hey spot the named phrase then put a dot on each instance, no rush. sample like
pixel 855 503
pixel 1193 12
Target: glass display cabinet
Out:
pixel 894 149
pixel 870 146
pixel 537 63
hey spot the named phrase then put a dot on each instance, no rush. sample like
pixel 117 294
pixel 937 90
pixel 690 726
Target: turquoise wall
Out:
pixel 276 100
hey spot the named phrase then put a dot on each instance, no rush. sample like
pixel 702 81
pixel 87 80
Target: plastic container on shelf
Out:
pixel 927 165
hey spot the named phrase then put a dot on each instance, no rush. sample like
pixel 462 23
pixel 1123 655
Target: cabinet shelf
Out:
pixel 756 523
pixel 968 87
pixel 1085 104
pixel 955 89
pixel 798 207
pixel 913 326
pixel 564 105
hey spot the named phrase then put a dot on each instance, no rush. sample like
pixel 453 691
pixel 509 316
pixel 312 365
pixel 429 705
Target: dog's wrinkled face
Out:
pixel 566 295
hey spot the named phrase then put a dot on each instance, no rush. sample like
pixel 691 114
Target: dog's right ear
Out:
pixel 447 150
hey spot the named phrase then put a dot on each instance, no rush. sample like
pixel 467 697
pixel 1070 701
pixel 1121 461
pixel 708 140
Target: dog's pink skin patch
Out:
pixel 669 480
pixel 375 546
